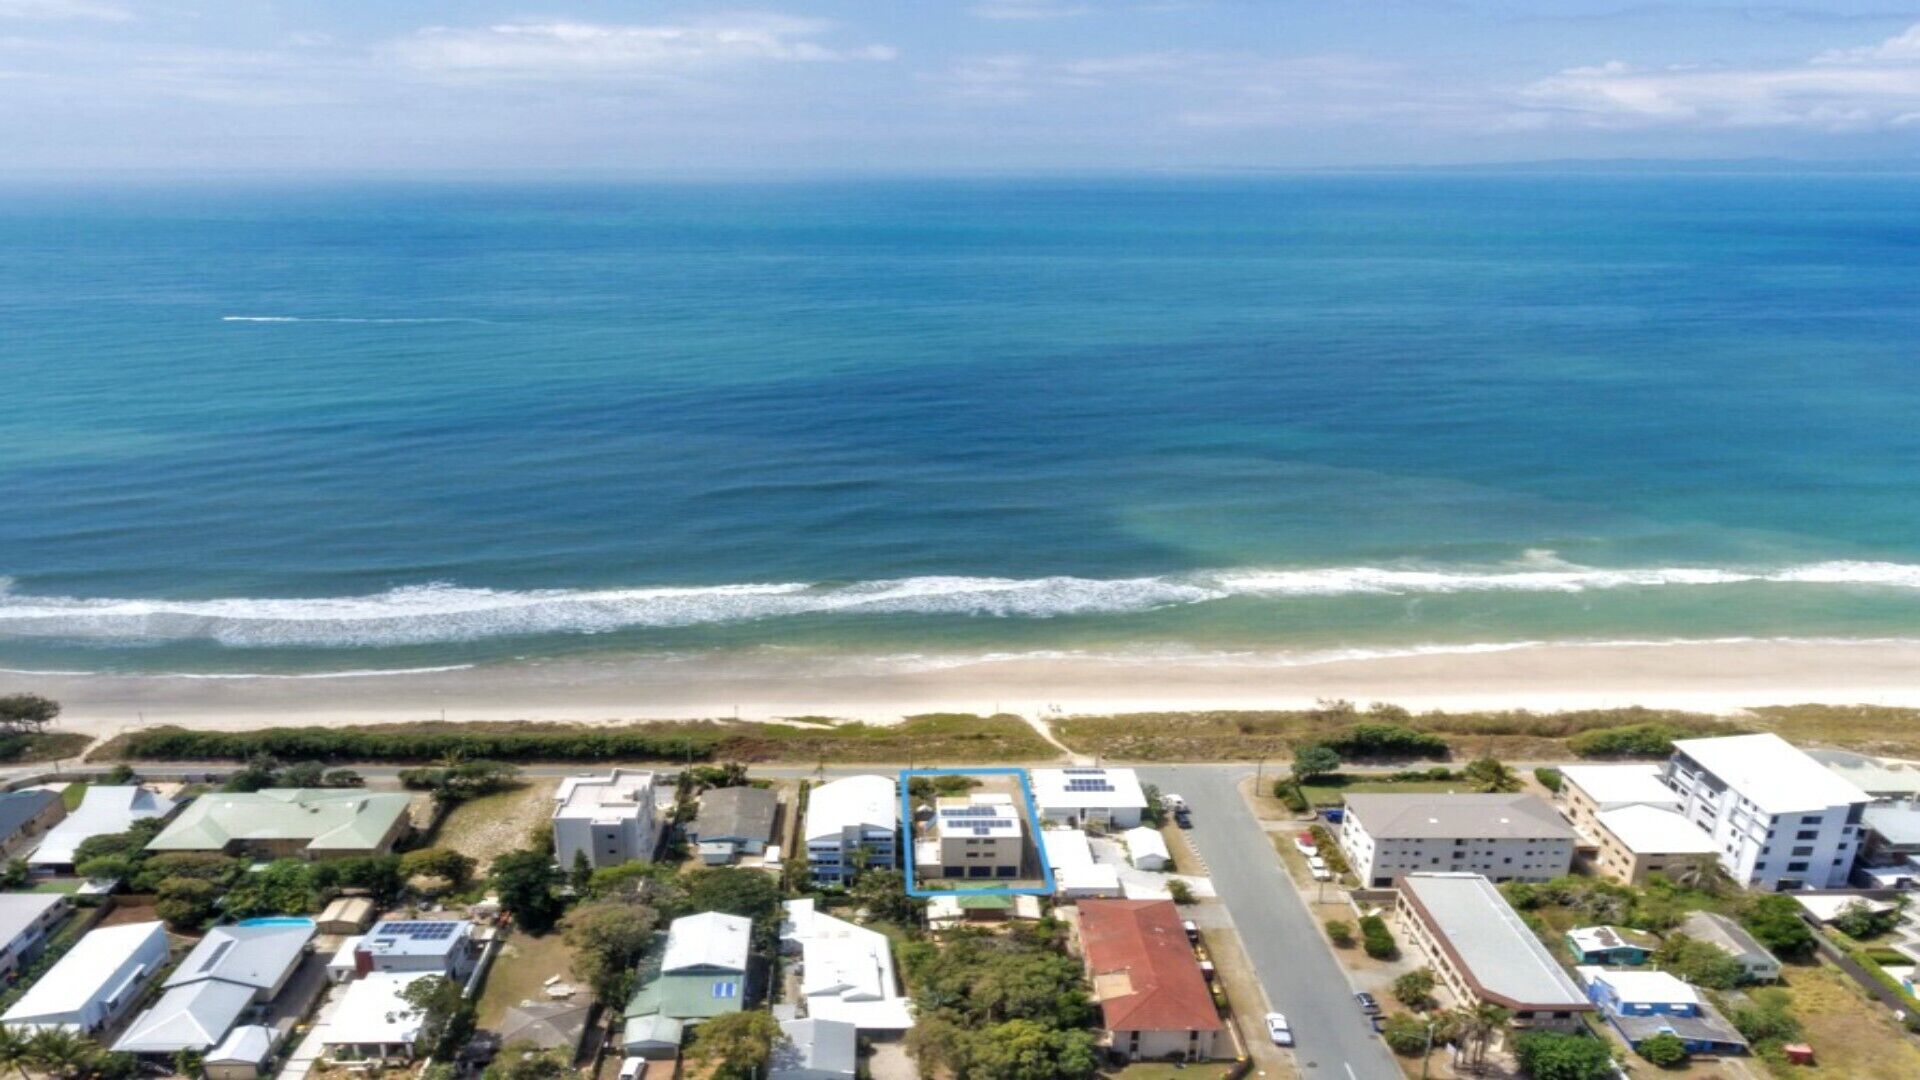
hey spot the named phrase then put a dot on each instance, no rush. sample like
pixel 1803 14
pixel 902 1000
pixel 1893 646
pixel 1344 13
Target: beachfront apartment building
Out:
pixel 851 824
pixel 1086 797
pixel 1778 818
pixel 611 820
pixel 1482 951
pixel 1507 837
pixel 1634 824
pixel 975 836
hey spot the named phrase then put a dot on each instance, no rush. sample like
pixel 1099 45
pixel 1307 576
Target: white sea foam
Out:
pixel 426 614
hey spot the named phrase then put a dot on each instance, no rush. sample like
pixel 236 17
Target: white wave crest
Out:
pixel 426 614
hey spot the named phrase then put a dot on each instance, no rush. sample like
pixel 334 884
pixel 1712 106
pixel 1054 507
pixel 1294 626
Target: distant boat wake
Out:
pixel 426 614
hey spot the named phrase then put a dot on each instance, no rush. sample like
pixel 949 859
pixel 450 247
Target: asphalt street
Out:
pixel 1301 977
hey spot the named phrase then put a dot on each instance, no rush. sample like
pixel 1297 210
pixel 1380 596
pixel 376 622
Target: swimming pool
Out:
pixel 277 920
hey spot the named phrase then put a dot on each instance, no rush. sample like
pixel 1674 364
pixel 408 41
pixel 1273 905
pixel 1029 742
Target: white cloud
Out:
pixel 1860 89
pixel 56 10
pixel 559 50
pixel 1027 10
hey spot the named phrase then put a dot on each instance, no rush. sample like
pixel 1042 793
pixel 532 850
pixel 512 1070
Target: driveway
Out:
pixel 1295 966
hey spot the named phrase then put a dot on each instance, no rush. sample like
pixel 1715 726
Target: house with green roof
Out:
pixel 695 971
pixel 297 823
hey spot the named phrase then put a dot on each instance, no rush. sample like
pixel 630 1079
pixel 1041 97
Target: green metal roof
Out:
pixel 690 996
pixel 984 903
pixel 329 820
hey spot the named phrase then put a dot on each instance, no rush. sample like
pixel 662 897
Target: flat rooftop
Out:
pixel 1776 775
pixel 1429 816
pixel 1621 785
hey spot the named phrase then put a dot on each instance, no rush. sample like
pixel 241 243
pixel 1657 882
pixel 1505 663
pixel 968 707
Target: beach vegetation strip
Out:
pixel 928 737
pixel 1385 732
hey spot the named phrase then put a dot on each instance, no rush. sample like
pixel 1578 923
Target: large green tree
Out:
pixel 740 1044
pixel 608 940
pixel 1549 1055
pixel 525 882
pixel 1775 920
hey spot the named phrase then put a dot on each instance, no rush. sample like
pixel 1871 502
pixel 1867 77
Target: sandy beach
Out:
pixel 1719 677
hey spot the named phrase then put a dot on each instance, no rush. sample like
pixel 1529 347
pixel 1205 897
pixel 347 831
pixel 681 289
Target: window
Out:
pixel 1806 834
pixel 1807 850
pixel 1796 867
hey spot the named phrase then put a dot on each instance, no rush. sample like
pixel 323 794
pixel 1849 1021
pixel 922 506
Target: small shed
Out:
pixel 548 1025
pixel 1147 848
pixel 243 1054
pixel 653 1036
pixel 347 915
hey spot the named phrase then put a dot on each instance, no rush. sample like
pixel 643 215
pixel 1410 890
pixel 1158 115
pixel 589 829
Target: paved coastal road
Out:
pixel 1294 964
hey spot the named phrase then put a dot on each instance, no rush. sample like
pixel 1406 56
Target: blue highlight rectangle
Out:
pixel 1033 827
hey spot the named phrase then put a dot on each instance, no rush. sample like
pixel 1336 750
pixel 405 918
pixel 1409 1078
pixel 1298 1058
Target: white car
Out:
pixel 1305 845
pixel 1317 866
pixel 1278 1031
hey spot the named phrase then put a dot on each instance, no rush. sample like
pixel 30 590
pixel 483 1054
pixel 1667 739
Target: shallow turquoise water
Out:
pixel 295 428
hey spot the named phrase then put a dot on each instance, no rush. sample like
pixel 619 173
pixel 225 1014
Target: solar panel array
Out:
pixel 420 931
pixel 1084 771
pixel 1088 785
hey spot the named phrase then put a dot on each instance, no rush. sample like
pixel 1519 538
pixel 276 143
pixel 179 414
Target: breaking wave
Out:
pixel 426 614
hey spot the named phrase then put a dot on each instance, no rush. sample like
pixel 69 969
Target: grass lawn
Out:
pixel 51 746
pixel 1160 1070
pixel 61 886
pixel 496 824
pixel 519 973
pixel 1850 1035
pixel 71 795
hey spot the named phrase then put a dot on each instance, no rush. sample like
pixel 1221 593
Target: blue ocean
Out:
pixel 279 427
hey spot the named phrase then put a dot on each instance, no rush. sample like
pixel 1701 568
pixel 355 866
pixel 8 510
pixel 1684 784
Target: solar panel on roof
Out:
pixel 1084 772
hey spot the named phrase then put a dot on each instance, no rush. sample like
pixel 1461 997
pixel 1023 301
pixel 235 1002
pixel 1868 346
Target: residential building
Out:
pixel 1483 952
pixel 733 821
pixel 1153 997
pixel 1635 842
pixel 242 1055
pixel 25 817
pixel 1586 790
pixel 1779 819
pixel 426 946
pixel 852 823
pixel 1642 1004
pixel 374 1022
pixel 815 1050
pixel 290 823
pixel 611 820
pixel 846 971
pixel 1610 946
pixel 1506 837
pixel 96 982
pixel 695 971
pixel 976 836
pixel 1087 797
pixel 231 970
pixel 1890 858
pixel 1880 778
pixel 948 911
pixel 548 1025
pixel 1147 848
pixel 104 810
pixel 25 921
pixel 1733 939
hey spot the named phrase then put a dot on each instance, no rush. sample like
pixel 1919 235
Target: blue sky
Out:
pixel 358 85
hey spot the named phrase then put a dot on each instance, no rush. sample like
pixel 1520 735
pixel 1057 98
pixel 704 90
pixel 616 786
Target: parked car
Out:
pixel 1334 814
pixel 1173 802
pixel 1317 866
pixel 1367 1003
pixel 1278 1031
pixel 1304 842
pixel 1193 930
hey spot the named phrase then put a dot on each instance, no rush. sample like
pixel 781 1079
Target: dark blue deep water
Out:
pixel 283 427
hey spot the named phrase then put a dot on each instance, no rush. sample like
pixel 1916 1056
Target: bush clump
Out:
pixel 1376 939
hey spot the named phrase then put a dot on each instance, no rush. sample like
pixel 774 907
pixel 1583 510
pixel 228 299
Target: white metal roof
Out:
pixel 846 970
pixel 192 1017
pixel 1643 987
pixel 256 956
pixel 103 811
pixel 1085 787
pixel 1491 942
pixel 1145 843
pixel 1656 830
pixel 248 1044
pixel 1620 785
pixel 372 1011
pixel 19 911
pixel 89 970
pixel 1776 775
pixel 708 941
pixel 1066 848
pixel 855 802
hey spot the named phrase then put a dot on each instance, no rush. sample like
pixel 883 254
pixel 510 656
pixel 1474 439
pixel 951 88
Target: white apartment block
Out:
pixel 611 819
pixel 852 823
pixel 1778 818
pixel 1503 837
pixel 978 836
pixel 1083 796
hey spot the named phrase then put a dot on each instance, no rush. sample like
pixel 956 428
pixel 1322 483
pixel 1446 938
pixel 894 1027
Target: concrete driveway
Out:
pixel 1297 969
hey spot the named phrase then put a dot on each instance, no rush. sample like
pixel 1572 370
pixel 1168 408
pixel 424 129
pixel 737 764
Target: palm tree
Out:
pixel 1478 1026
pixel 16 1050
pixel 62 1053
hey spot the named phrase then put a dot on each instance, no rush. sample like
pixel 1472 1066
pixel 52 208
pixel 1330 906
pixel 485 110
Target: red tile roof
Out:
pixel 1141 963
